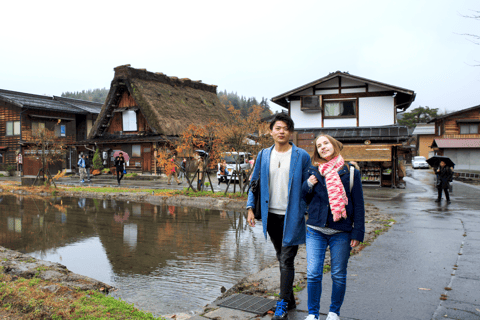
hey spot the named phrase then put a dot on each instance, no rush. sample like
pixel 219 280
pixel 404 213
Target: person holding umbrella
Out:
pixel 119 166
pixel 444 177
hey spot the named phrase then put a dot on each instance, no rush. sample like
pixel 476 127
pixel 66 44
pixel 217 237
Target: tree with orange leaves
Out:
pixel 237 136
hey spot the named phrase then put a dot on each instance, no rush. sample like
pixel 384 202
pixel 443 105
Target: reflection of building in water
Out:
pixel 14 224
pixel 130 235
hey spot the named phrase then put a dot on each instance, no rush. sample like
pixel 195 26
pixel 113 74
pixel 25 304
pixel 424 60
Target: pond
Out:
pixel 164 259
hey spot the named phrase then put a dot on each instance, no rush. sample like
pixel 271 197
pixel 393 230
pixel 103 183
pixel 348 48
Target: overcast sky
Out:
pixel 255 48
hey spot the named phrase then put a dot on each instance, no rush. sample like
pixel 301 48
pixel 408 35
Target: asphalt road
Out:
pixel 405 272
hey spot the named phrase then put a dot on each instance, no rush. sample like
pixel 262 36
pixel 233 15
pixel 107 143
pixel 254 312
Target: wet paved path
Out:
pixel 404 273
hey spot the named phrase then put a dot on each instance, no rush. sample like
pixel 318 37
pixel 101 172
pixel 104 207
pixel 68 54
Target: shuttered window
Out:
pixel 129 120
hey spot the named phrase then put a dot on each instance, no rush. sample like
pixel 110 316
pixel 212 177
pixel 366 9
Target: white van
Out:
pixel 232 158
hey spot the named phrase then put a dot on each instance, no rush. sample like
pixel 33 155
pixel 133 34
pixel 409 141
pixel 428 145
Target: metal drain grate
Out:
pixel 248 303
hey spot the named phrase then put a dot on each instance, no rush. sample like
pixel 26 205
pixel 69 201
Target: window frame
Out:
pixel 469 126
pixel 127 121
pixel 355 108
pixel 318 107
pixel 12 123
pixel 139 153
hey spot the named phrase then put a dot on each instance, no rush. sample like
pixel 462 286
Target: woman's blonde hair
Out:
pixel 337 147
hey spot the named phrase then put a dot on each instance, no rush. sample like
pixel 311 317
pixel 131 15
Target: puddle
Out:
pixel 164 259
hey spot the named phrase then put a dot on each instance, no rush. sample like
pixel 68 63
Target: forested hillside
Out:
pixel 241 103
pixel 95 95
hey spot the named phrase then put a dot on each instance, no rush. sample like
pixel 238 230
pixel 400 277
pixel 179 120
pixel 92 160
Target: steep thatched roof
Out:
pixel 168 104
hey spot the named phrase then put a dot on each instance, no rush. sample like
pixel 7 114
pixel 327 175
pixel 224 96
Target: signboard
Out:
pixel 370 152
pixel 20 158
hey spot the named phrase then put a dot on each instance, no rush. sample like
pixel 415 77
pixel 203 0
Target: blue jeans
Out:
pixel 317 244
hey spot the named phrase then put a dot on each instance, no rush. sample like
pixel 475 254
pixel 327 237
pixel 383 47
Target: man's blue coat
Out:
pixel 294 229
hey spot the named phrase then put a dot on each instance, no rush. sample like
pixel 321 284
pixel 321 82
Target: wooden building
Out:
pixel 359 112
pixel 457 136
pixel 20 113
pixel 145 110
pixel 425 134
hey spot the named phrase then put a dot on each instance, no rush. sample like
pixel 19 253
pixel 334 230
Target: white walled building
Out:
pixel 359 112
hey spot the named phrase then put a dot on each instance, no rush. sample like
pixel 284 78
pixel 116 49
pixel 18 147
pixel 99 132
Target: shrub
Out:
pixel 106 170
pixel 97 160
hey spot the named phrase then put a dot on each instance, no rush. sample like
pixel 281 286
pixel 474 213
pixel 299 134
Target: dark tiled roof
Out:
pixel 384 133
pixel 33 101
pixel 88 106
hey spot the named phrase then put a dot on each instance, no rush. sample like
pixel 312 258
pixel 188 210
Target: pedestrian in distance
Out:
pixel 281 167
pixel 223 171
pixel 444 177
pixel 88 166
pixel 172 171
pixel 336 219
pixel 81 168
pixel 183 169
pixel 119 167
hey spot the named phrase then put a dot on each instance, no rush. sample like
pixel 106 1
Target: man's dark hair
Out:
pixel 285 118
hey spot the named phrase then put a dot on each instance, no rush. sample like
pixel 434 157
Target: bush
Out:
pixel 106 170
pixel 97 160
pixel 11 169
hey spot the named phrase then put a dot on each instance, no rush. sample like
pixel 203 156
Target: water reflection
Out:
pixel 165 259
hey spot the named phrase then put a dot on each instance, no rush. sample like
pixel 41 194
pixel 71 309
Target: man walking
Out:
pixel 81 168
pixel 283 212
pixel 88 166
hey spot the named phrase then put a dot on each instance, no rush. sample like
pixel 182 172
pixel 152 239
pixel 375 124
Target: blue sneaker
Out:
pixel 281 311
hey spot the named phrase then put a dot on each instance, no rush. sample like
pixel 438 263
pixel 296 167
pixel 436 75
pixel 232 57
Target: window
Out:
pixel 311 103
pixel 60 130
pixel 470 128
pixel 129 120
pixel 13 128
pixel 37 127
pixel 89 126
pixel 340 108
pixel 136 151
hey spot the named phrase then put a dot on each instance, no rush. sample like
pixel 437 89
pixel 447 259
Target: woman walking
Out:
pixel 336 219
pixel 444 177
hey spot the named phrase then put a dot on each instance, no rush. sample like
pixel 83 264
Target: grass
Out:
pixel 28 299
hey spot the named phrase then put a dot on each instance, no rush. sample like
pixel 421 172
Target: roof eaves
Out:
pixel 454 113
pixel 342 74
pixel 18 104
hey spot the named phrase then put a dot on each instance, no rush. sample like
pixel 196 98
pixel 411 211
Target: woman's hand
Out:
pixel 250 218
pixel 354 243
pixel 313 180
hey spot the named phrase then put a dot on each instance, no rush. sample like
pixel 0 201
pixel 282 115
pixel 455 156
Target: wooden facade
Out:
pixel 68 118
pixel 457 136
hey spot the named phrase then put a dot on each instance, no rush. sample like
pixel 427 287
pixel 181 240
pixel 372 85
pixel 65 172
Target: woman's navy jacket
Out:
pixel 319 213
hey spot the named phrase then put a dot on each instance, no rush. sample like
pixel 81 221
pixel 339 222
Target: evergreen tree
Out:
pixel 418 115
pixel 97 160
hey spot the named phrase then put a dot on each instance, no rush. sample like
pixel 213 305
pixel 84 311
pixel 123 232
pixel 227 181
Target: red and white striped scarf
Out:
pixel 336 192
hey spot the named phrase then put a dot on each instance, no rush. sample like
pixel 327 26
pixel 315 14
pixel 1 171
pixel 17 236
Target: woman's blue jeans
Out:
pixel 317 244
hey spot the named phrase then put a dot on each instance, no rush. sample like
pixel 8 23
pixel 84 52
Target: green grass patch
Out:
pixel 327 268
pixel 27 300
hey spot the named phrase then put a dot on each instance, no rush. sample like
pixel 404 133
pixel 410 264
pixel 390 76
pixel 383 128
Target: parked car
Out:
pixel 419 162
pixel 232 158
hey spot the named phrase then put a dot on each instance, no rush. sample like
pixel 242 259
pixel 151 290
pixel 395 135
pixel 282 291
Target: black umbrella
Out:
pixel 201 153
pixel 435 161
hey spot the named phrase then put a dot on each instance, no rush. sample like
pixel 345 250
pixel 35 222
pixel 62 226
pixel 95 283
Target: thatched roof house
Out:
pixel 145 108
pixel 168 104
